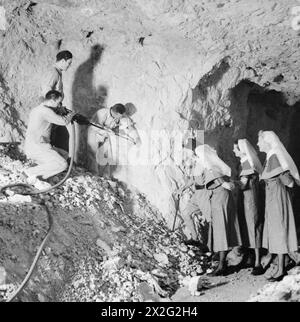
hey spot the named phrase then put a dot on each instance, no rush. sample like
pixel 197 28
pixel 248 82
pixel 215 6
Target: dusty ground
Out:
pixel 237 287
pixel 241 286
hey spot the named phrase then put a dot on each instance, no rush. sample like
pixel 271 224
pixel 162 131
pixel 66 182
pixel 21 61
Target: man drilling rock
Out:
pixel 37 140
pixel 102 149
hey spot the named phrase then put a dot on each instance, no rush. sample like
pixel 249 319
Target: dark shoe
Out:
pixel 277 279
pixel 290 265
pixel 232 269
pixel 258 270
pixel 191 242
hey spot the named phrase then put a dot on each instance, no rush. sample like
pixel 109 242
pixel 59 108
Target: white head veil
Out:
pixel 285 160
pixel 211 161
pixel 251 155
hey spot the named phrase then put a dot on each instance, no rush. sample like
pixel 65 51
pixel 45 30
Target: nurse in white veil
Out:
pixel 280 173
pixel 249 200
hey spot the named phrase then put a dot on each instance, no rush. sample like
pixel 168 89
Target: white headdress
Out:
pixel 285 160
pixel 251 155
pixel 211 161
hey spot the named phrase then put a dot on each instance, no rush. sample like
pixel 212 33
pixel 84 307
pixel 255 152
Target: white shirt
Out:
pixel 244 159
pixel 40 122
pixel 53 81
pixel 104 117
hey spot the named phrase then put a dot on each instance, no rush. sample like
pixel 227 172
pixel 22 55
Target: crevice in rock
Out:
pixel 29 9
pixel 59 43
pixel 278 79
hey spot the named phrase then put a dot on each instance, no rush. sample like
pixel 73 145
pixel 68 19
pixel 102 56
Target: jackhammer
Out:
pixel 82 120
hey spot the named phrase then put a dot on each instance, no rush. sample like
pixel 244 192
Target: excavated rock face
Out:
pixel 232 65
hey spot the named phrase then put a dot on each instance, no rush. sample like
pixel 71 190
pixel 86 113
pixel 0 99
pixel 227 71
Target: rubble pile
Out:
pixel 5 289
pixel 132 274
pixel 285 291
pixel 134 256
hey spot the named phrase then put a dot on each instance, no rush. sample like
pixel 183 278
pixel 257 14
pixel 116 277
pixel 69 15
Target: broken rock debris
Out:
pixel 125 253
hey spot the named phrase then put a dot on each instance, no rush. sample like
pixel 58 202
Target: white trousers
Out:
pixel 49 162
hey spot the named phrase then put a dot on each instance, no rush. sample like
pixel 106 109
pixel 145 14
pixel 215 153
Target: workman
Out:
pixel 114 121
pixel 54 81
pixel 37 140
pixel 197 203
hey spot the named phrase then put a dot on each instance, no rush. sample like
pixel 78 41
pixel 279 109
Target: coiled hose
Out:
pixel 33 192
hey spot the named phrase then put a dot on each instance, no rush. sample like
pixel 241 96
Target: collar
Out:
pixel 57 68
pixel 244 159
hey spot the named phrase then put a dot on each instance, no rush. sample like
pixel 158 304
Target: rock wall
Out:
pixel 172 60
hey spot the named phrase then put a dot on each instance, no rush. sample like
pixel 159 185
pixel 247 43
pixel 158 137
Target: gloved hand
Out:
pixel 62 110
pixel 80 119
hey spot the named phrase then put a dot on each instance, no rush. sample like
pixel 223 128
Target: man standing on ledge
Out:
pixel 54 81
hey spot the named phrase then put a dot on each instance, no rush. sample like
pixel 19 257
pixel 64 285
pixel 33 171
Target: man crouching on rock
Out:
pixel 37 140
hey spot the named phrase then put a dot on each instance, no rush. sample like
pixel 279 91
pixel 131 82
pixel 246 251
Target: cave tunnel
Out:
pixel 268 110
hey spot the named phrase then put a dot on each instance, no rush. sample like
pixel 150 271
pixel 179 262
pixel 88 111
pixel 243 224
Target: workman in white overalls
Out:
pixel 37 140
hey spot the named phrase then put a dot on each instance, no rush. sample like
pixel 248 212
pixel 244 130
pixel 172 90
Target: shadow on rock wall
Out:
pixel 86 99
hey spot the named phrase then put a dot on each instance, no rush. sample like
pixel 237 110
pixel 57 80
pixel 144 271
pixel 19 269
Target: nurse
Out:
pixel 280 174
pixel 224 231
pixel 249 201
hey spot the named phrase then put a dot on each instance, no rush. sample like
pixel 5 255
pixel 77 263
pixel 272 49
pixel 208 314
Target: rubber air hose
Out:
pixel 50 218
pixel 36 191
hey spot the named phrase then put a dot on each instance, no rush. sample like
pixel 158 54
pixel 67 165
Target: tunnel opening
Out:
pixel 268 110
pixel 250 108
